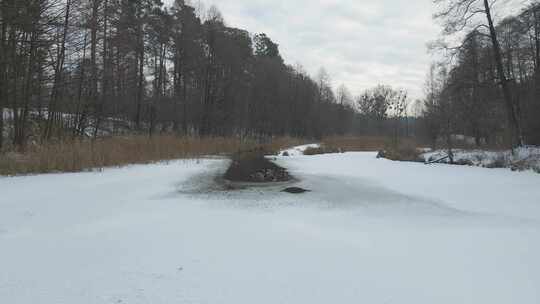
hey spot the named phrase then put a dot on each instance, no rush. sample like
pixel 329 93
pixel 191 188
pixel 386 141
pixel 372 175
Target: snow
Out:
pixel 298 150
pixel 371 231
pixel 108 125
pixel 523 158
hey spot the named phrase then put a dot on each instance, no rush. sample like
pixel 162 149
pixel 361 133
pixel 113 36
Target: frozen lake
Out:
pixel 371 231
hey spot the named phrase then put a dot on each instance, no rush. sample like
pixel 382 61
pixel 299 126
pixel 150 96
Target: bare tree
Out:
pixel 52 115
pixel 344 96
pixel 146 67
pixel 460 15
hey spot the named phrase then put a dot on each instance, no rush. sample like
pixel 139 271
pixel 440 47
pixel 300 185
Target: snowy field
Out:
pixel 371 231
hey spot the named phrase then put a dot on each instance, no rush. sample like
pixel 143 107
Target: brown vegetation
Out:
pixel 321 150
pixel 405 150
pixel 362 143
pixel 77 155
pixel 341 144
pixel 355 143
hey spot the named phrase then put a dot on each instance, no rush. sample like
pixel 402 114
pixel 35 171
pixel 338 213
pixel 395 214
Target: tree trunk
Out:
pixel 176 86
pixel 58 76
pixel 184 106
pixel 93 53
pixel 79 117
pixel 511 107
pixel 537 52
pixel 105 79
pixel 3 86
pixel 21 110
pixel 140 72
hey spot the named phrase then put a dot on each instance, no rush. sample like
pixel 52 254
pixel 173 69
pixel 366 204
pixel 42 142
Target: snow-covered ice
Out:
pixel 371 231
pixel 298 150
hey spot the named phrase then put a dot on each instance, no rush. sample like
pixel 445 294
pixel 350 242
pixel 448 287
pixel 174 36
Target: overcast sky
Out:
pixel 361 43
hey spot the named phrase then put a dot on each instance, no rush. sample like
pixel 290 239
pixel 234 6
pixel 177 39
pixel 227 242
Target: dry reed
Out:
pixel 355 143
pixel 81 155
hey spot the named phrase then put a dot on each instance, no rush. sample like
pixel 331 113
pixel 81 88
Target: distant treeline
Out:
pixel 69 67
pixel 488 88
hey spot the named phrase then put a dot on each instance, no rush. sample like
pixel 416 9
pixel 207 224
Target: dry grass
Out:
pixel 74 156
pixel 355 144
pixel 402 153
pixel 405 150
pixel 279 143
pixel 323 149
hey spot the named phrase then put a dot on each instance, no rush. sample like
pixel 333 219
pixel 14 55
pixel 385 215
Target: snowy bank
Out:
pixel 297 151
pixel 525 158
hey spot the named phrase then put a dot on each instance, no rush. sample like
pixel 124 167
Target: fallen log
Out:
pixel 437 160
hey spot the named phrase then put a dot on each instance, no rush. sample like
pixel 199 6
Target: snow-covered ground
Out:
pixel 524 158
pixel 108 125
pixel 298 150
pixel 371 231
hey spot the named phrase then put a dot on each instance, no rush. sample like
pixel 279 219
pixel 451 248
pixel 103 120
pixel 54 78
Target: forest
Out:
pixel 78 69
pixel 89 68
pixel 488 86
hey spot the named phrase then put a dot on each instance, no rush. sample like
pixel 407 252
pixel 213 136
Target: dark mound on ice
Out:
pixel 253 167
pixel 295 190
